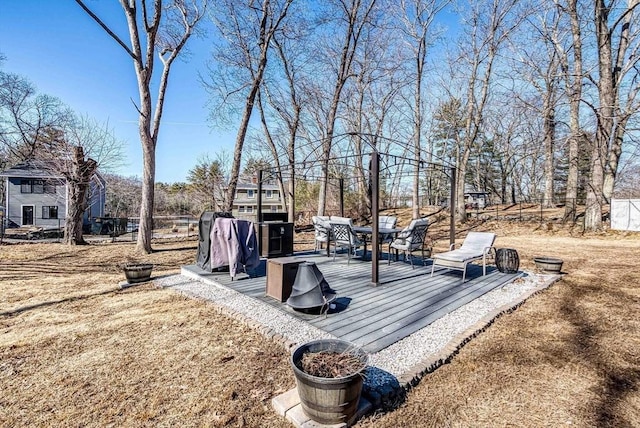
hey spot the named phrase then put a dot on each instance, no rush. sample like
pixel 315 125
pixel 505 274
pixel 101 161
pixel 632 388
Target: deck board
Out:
pixel 375 317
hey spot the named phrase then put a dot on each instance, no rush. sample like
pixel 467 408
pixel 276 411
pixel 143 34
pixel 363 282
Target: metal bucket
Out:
pixel 507 260
pixel 328 400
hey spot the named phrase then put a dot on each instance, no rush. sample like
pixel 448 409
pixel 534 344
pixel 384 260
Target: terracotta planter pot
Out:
pixel 137 272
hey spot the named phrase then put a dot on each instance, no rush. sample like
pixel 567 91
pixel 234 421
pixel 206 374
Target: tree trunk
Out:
pixel 417 130
pixel 593 209
pixel 611 168
pixel 574 88
pixel 242 133
pixel 145 226
pixel 78 178
pixel 611 120
pixel 355 26
pixel 148 142
pixel 268 25
pixel 145 45
pixel 549 135
pixel 461 209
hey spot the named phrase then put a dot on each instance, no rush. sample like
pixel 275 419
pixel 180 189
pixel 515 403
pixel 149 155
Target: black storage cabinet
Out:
pixel 276 239
pixel 205 224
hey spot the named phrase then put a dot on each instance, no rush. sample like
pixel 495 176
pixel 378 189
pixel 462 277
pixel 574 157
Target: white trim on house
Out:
pixel 33 215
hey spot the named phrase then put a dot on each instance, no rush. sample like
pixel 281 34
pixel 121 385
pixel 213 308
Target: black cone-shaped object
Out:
pixel 310 290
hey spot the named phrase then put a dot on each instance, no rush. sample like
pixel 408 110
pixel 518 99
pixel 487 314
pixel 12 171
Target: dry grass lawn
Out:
pixel 77 351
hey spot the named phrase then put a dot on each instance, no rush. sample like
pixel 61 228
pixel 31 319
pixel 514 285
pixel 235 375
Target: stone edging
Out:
pixel 413 376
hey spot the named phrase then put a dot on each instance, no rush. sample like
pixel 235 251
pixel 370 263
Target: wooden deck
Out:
pixel 375 317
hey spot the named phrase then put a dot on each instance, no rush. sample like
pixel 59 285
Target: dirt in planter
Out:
pixel 330 364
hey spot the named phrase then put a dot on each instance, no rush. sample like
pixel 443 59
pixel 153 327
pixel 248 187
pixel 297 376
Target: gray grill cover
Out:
pixel 203 257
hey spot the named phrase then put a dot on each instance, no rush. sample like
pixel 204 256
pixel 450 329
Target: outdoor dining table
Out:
pixel 367 234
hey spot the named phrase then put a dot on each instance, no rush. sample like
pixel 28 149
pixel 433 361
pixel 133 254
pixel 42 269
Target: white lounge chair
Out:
pixel 476 246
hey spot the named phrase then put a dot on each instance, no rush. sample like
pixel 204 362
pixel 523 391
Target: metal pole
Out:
pixel 452 205
pixel 259 212
pixel 341 181
pixel 259 198
pixel 375 199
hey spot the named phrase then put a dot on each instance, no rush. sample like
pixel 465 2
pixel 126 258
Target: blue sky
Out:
pixel 64 53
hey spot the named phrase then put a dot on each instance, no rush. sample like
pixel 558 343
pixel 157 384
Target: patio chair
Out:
pixel 410 239
pixel 387 222
pixel 322 230
pixel 476 246
pixel 343 236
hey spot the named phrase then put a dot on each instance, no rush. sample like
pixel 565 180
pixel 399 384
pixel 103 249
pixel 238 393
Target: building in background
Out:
pixel 245 204
pixel 37 196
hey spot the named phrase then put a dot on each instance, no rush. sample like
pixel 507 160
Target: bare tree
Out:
pixel 37 127
pixel 418 20
pixel 248 30
pixel 488 27
pixel 123 195
pixel 352 18
pixel 26 117
pixel 76 152
pixel 571 66
pixel 368 100
pixel 539 65
pixel 206 180
pixel 287 101
pixel 616 33
pixel 161 30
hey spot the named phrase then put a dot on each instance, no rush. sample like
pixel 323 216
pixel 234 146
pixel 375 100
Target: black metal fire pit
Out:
pixel 310 290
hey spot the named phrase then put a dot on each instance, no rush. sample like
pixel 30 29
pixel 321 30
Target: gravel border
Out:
pixel 408 359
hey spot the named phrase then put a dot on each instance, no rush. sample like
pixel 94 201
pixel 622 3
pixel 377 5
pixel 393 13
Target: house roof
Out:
pixel 469 189
pixel 248 186
pixel 39 169
pixel 31 169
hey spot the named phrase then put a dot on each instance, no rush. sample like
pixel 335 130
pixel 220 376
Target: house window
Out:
pixel 251 194
pixel 37 186
pixel 274 208
pixel 34 186
pixel 49 212
pixel 249 209
pixel 50 187
pixel 269 194
pixel 241 209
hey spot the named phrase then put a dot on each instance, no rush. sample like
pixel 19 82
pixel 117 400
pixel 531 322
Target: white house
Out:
pixel 245 204
pixel 36 196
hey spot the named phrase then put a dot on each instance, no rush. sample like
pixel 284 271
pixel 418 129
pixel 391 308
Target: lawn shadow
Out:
pixel 617 381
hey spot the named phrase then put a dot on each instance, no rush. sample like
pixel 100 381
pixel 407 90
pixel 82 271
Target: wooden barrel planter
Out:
pixel 548 264
pixel 507 260
pixel 329 400
pixel 137 272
